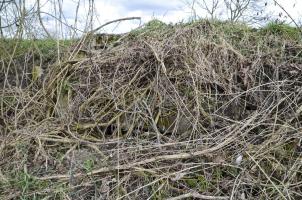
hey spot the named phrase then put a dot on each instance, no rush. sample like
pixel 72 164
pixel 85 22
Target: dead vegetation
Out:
pixel 165 114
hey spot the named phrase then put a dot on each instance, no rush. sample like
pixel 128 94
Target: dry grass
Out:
pixel 163 115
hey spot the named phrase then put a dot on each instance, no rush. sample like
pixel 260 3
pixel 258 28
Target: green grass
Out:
pixel 45 49
pixel 154 27
pixel 26 187
pixel 199 182
pixel 25 184
pixel 236 32
pixel 283 30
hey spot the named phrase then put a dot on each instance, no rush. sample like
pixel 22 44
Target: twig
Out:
pixel 267 176
pixel 157 57
pixel 61 21
pixel 113 21
pixel 143 162
pixel 291 18
pixel 198 196
pixel 41 21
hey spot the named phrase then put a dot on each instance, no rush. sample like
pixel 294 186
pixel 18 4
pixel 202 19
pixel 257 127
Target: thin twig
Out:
pixel 143 162
pixel 198 196
pixel 113 21
pixel 287 13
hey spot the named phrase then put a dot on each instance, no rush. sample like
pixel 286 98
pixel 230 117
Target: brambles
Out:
pixel 164 113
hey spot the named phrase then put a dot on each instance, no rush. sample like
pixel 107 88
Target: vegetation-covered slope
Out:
pixel 210 110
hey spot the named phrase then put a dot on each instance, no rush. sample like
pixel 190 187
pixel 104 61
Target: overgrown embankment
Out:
pixel 167 111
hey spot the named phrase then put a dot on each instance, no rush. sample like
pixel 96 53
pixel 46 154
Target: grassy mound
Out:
pixel 206 110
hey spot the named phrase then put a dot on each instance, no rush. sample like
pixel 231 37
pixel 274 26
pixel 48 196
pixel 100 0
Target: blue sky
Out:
pixel 165 10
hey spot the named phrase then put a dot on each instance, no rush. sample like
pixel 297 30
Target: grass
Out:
pixel 283 30
pixel 152 28
pixel 162 114
pixel 45 49
pixel 27 187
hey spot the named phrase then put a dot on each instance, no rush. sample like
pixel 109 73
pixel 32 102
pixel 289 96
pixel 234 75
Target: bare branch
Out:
pixel 210 8
pixel 196 195
pixel 287 13
pixel 114 21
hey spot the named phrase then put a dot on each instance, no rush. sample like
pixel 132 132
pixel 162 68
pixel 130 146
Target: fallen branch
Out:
pixel 143 162
pixel 198 196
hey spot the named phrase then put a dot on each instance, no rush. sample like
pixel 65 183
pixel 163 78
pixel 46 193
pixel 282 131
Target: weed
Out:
pixel 27 185
pixel 88 165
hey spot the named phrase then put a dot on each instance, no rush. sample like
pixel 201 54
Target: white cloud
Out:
pixel 168 11
pixel 165 10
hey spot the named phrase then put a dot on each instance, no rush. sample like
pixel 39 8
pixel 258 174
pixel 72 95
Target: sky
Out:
pixel 169 11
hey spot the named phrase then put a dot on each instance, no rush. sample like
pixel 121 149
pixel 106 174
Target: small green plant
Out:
pixel 66 86
pixel 88 165
pixel 203 183
pixel 217 174
pixel 199 182
pixel 26 183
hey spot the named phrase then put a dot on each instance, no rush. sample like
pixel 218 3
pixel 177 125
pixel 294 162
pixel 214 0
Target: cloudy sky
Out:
pixel 165 10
